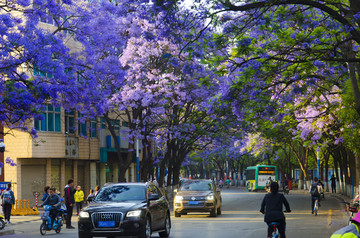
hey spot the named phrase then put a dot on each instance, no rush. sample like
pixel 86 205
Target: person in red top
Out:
pixel 69 199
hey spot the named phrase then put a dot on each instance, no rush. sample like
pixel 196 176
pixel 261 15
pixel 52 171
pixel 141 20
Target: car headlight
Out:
pixel 84 215
pixel 178 198
pixel 211 197
pixel 135 213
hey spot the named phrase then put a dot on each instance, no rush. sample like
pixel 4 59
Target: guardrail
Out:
pixel 22 208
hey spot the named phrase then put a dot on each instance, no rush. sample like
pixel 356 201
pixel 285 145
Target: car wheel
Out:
pixel 213 213
pixel 177 214
pixel 147 229
pixel 218 211
pixel 166 233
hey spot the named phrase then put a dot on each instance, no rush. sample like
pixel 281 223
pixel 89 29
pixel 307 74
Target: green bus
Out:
pixel 256 176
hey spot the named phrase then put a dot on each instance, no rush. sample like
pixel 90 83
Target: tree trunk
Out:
pixel 170 173
pixel 336 162
pixel 176 174
pixel 145 162
pixel 124 164
pixel 162 172
pixel 327 155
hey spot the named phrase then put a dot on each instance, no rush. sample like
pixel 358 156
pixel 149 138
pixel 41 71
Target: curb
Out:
pixel 7 232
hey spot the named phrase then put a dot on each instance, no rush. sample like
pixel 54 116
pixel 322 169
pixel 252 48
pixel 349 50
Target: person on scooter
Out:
pixel 285 184
pixel 272 207
pixel 53 200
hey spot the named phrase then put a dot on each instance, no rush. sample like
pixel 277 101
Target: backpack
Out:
pixel 314 191
pixel 7 199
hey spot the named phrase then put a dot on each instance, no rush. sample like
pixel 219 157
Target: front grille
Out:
pixel 117 217
pixel 194 198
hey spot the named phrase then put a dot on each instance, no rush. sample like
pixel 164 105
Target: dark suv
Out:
pixel 197 195
pixel 126 209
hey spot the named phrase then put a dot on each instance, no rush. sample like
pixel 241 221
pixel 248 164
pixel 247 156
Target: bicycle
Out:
pixel 274 227
pixel 275 233
pixel 316 206
pixel 352 209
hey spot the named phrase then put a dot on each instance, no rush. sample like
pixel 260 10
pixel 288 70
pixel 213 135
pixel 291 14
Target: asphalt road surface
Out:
pixel 240 218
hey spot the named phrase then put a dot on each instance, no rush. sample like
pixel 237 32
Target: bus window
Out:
pixel 250 174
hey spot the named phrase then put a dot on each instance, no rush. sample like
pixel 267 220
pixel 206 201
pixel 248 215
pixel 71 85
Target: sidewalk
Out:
pixel 17 220
pixel 337 195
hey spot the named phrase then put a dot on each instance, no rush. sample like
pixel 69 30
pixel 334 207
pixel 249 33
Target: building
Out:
pixel 61 152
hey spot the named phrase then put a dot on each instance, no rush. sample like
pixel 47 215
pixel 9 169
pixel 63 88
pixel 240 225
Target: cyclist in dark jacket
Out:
pixel 272 207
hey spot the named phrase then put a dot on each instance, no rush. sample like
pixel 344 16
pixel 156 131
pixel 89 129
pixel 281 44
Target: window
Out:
pixel 103 123
pixel 115 123
pixel 250 174
pixel 42 73
pixel 125 124
pixel 82 127
pixel 121 193
pixel 93 129
pixel 45 16
pixel 51 119
pixel 70 122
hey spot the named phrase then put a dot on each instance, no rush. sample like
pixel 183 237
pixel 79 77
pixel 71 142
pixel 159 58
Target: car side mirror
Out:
pixel 153 196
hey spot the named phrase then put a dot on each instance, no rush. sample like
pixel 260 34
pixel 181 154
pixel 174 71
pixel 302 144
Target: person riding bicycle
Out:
pixel 272 207
pixel 53 200
pixel 350 231
pixel 315 191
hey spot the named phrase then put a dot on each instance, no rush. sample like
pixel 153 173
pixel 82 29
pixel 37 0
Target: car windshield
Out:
pixel 196 186
pixel 121 193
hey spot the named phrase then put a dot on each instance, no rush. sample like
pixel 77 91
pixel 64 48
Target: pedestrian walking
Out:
pixel 8 199
pixel 350 231
pixel 91 196
pixel 46 193
pixel 333 183
pixel 79 199
pixel 69 202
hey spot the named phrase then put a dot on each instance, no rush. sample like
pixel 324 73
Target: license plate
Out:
pixel 193 202
pixel 106 224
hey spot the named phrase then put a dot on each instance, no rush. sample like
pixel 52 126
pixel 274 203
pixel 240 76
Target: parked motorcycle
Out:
pixel 2 223
pixel 46 224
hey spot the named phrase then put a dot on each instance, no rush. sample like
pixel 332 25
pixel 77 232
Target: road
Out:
pixel 240 218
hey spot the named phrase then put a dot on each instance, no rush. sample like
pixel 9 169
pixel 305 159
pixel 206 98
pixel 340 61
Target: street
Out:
pixel 240 218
